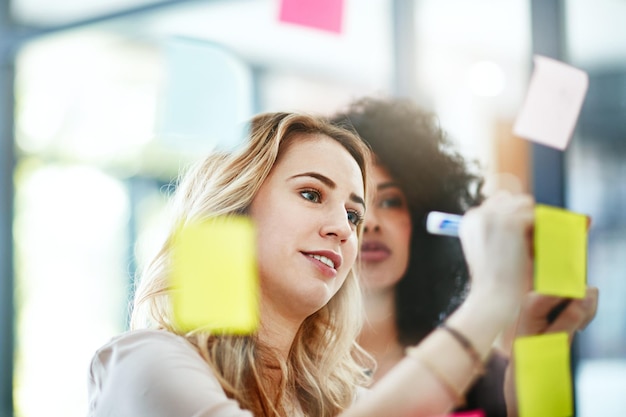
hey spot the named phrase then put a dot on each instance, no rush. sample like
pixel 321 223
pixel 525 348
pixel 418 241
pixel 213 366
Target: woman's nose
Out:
pixel 337 224
pixel 371 223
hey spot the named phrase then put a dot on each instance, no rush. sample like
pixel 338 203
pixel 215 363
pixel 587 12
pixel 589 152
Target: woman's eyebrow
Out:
pixel 330 183
pixel 324 179
pixel 389 184
pixel 356 199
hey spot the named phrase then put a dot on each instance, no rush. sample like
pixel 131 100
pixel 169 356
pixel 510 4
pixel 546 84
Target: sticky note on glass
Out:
pixel 543 379
pixel 214 276
pixel 555 96
pixel 320 14
pixel 473 413
pixel 208 97
pixel 560 241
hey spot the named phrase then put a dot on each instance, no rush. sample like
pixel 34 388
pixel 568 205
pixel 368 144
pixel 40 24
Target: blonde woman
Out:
pixel 303 183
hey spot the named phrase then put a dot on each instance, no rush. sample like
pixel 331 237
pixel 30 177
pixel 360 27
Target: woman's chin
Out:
pixel 377 283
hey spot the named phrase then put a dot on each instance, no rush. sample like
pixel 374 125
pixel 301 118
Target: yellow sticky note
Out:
pixel 543 379
pixel 560 241
pixel 214 276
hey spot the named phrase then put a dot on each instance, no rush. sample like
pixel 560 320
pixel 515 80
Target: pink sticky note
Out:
pixel 473 413
pixel 319 14
pixel 553 102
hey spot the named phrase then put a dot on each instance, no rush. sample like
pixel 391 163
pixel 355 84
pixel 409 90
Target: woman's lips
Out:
pixel 374 251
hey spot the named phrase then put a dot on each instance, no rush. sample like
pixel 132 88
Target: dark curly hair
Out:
pixel 409 142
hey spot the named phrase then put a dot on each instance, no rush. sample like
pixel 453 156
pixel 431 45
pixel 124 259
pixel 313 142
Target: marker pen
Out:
pixel 446 224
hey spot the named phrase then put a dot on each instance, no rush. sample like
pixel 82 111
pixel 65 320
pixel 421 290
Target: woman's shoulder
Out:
pixel 132 340
pixel 144 354
pixel 143 334
pixel 156 373
pixel 147 347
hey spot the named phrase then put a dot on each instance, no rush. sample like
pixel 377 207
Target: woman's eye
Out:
pixel 392 202
pixel 355 217
pixel 311 195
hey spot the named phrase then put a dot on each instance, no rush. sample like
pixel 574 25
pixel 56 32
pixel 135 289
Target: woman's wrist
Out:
pixel 494 304
pixel 481 318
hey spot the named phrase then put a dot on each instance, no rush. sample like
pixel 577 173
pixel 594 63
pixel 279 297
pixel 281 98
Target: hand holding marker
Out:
pixel 447 224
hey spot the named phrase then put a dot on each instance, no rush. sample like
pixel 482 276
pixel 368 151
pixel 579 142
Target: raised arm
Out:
pixel 433 377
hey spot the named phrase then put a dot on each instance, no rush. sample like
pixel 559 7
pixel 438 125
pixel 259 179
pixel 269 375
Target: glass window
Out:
pixel 85 119
pixel 596 40
pixel 102 130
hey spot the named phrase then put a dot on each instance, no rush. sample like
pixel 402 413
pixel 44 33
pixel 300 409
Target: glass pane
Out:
pixel 85 119
pixel 596 40
pixel 71 280
pixel 94 160
pixel 472 70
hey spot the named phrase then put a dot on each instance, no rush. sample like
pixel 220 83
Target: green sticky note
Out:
pixel 560 240
pixel 214 276
pixel 543 378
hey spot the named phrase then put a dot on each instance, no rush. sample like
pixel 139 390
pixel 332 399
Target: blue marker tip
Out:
pixel 446 224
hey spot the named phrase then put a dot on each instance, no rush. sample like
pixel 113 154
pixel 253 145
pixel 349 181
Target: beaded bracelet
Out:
pixel 451 390
pixel 468 346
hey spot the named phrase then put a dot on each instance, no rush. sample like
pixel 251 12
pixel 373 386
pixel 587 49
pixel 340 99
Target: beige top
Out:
pixel 158 374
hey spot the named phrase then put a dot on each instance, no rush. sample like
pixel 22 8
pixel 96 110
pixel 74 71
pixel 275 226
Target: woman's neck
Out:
pixel 379 336
pixel 277 332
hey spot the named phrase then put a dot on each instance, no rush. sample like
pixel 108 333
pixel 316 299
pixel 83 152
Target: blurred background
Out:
pixel 102 102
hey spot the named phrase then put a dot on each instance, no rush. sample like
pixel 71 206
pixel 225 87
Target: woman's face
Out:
pixel 385 248
pixel 306 215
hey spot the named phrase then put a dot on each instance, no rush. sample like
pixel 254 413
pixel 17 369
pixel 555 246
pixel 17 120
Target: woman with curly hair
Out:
pixel 414 280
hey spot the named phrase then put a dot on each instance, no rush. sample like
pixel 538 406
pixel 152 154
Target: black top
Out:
pixel 487 393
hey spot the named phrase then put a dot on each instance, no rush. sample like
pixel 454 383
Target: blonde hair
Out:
pixel 325 365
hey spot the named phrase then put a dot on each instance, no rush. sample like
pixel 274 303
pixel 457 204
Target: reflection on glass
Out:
pixel 71 260
pixel 85 118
